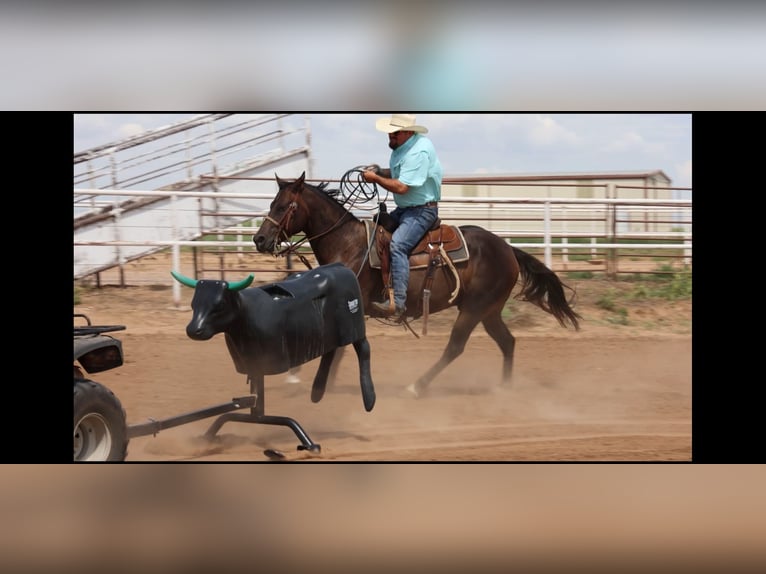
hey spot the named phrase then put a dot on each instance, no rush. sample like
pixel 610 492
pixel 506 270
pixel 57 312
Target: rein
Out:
pixel 360 188
pixel 282 237
pixel 293 247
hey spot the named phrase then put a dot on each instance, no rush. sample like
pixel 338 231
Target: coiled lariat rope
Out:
pixel 355 190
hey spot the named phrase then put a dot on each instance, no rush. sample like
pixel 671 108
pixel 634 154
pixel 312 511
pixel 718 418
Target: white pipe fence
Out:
pixel 610 223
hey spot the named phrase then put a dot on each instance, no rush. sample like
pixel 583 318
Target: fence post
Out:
pixel 564 238
pixel 120 256
pixel 547 234
pixel 611 253
pixel 176 252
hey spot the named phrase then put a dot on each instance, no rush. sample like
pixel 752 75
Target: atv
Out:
pixel 100 428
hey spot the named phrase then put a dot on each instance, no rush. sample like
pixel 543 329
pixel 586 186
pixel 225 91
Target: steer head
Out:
pixel 215 304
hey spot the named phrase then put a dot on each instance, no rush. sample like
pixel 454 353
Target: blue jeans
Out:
pixel 412 224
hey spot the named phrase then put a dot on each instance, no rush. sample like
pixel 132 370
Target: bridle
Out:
pixel 354 189
pixel 284 223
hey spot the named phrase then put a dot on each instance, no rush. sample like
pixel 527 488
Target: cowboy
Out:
pixel 414 177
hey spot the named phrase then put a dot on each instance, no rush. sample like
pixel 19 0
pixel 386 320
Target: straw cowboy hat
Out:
pixel 396 122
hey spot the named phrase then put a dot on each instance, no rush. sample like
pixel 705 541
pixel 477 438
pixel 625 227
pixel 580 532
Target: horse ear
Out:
pixel 302 177
pixel 280 182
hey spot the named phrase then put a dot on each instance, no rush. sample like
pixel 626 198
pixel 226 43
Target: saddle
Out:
pixel 441 235
pixel 442 245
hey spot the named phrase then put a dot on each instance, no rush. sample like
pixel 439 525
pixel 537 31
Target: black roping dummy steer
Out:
pixel 273 328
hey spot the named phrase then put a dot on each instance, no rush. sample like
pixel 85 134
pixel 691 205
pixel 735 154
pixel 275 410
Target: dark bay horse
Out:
pixel 486 278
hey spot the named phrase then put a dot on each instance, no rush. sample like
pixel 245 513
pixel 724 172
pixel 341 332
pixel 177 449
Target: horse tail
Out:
pixel 543 288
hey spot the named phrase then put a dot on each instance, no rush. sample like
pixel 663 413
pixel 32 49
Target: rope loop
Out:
pixel 356 192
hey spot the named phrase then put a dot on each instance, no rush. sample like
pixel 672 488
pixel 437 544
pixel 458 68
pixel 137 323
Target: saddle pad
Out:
pixel 457 254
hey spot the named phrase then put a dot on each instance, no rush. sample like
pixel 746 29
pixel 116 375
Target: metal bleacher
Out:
pixel 189 156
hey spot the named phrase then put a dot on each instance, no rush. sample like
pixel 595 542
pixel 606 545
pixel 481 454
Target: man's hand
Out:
pixel 383 178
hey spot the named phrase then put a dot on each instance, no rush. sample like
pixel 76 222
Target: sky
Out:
pixel 470 143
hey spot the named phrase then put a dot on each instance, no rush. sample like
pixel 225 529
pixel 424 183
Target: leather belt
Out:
pixel 429 204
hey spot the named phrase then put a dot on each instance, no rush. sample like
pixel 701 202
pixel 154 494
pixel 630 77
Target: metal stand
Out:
pixel 154 426
pixel 257 416
pixel 256 404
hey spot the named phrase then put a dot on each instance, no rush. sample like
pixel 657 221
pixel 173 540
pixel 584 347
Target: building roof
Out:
pixel 610 175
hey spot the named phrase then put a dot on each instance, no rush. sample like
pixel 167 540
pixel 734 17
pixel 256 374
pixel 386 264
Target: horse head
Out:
pixel 287 216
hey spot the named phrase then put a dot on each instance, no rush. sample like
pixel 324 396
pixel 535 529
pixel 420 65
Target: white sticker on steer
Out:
pixel 353 305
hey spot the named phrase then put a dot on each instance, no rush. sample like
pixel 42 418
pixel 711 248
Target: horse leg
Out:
pixel 496 328
pixel 362 348
pixel 320 379
pixel 461 330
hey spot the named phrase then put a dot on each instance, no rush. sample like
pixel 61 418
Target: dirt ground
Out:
pixel 617 390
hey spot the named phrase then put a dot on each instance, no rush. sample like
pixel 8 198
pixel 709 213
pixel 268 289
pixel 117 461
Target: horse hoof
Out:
pixel 413 391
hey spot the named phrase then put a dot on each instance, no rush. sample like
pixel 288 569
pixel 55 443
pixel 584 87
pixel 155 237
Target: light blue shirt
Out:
pixel 415 164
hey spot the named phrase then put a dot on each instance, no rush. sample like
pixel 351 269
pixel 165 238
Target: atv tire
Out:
pixel 100 428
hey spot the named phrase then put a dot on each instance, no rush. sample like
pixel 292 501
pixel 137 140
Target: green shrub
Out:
pixel 671 287
pixel 607 301
pixel 620 317
pixel 580 275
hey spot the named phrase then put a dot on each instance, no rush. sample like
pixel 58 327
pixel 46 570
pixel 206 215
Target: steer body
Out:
pixel 273 328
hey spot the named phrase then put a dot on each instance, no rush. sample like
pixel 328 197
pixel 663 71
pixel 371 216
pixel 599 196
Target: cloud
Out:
pixel 545 131
pixel 632 142
pixel 130 129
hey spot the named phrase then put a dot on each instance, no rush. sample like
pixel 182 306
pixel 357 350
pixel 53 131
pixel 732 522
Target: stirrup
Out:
pixel 385 307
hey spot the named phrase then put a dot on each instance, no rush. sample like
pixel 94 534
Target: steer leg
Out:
pixel 339 352
pixel 320 379
pixel 362 348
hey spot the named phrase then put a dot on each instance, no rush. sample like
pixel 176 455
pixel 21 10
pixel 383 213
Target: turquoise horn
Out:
pixel 184 280
pixel 239 285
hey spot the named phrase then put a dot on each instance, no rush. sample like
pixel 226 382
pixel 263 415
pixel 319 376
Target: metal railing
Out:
pixel 565 228
pixel 179 155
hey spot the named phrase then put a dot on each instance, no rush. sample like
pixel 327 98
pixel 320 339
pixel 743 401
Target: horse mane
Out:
pixel 333 194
